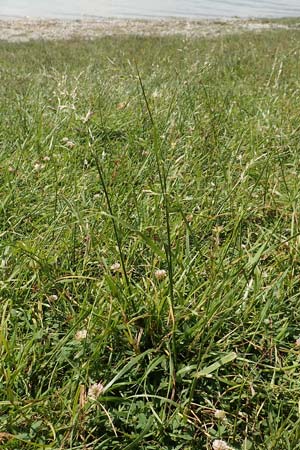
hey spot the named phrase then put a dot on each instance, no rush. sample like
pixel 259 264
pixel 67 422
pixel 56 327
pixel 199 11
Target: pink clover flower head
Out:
pixel 218 444
pixel 95 390
pixel 160 274
pixel 116 267
pixel 220 414
pixel 80 335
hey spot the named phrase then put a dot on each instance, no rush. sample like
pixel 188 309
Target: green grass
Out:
pixel 188 164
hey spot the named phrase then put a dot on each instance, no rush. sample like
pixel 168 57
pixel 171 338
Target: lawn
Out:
pixel 150 238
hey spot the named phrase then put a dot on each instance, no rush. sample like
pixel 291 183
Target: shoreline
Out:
pixel 27 29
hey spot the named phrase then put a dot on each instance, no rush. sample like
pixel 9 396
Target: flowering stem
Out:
pixel 116 231
pixel 163 183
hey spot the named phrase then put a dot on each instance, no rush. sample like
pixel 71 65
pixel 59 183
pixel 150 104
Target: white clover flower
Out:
pixel 95 390
pixel 160 274
pixel 297 342
pixel 156 94
pixel 220 414
pixel 80 335
pixel 87 116
pixel 38 166
pixel 68 143
pixel 46 158
pixel 218 444
pixel 116 267
pixel 53 298
pixel 121 105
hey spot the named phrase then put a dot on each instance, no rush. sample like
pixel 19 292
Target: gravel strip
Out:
pixel 22 30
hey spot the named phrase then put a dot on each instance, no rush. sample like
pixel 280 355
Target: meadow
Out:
pixel 149 278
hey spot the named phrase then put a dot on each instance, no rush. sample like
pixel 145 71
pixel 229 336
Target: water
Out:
pixel 76 9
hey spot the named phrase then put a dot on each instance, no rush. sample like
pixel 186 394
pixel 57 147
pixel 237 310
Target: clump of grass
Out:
pixel 150 243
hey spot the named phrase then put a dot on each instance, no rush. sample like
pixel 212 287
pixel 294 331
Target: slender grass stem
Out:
pixel 115 226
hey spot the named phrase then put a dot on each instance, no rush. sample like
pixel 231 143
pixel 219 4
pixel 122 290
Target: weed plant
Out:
pixel 150 243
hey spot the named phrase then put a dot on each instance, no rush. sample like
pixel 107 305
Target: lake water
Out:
pixel 76 9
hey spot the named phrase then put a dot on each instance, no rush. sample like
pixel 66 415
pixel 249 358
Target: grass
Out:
pixel 121 157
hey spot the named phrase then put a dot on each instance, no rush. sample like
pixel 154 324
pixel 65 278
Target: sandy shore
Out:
pixel 22 30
